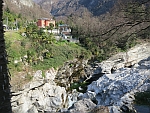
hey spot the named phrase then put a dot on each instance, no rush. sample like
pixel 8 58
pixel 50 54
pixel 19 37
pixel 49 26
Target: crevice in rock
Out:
pixel 129 66
pixel 94 78
pixel 112 70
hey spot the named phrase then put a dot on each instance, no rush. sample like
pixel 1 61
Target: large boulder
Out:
pixel 117 90
pixel 87 106
pixel 50 74
pixel 82 106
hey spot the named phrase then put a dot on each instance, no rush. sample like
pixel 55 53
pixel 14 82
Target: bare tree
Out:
pixel 127 24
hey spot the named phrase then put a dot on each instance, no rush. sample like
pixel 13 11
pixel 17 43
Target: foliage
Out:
pixel 136 11
pixel 41 49
pixel 51 26
pixel 113 32
pixel 13 20
pixel 14 52
pixel 59 53
pixel 81 87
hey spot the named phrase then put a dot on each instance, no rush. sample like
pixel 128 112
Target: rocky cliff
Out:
pixel 67 7
pixel 123 75
pixel 27 9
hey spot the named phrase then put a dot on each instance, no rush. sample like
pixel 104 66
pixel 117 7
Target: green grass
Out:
pixel 13 44
pixel 54 54
pixel 14 50
pixel 60 53
pixel 13 36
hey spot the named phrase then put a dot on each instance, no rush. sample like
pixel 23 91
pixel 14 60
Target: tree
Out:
pixel 127 24
pixel 51 26
pixel 57 26
pixel 31 31
pixel 5 104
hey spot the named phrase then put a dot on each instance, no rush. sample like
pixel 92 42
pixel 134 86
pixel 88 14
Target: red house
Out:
pixel 44 22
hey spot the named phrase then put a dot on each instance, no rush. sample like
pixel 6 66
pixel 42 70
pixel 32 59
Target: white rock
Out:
pixel 39 95
pixel 118 89
pixel 38 75
pixel 50 74
pixel 133 56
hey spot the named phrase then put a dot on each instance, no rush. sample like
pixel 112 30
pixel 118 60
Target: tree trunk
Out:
pixel 5 99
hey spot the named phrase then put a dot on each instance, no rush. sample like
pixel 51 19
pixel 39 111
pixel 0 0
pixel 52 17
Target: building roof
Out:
pixel 43 19
pixel 62 25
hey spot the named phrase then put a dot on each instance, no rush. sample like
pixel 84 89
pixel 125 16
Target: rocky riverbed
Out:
pixel 119 78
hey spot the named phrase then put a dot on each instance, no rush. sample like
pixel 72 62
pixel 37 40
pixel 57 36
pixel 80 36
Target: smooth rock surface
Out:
pixel 142 108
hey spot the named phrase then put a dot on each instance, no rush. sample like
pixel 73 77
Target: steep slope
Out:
pixel 27 8
pixel 67 7
pixel 98 7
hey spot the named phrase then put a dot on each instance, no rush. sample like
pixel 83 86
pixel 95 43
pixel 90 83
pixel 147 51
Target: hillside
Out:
pixel 67 7
pixel 38 53
pixel 100 74
pixel 122 28
pixel 26 8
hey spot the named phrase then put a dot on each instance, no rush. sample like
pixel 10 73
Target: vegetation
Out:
pixel 40 50
pixel 103 36
pixel 80 87
pixel 12 20
pixel 126 25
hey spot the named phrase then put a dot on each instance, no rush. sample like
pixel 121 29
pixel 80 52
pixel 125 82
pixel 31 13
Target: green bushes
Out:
pixel 58 54
pixel 81 87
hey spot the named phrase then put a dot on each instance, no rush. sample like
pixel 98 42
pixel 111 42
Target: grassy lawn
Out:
pixel 12 36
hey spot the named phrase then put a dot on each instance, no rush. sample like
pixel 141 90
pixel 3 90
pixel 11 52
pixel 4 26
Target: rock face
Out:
pixel 117 90
pixel 48 93
pixel 27 8
pixel 39 95
pixel 27 2
pixel 67 7
pixel 124 75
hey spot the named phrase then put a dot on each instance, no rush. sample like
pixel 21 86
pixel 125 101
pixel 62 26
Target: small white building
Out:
pixel 54 31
